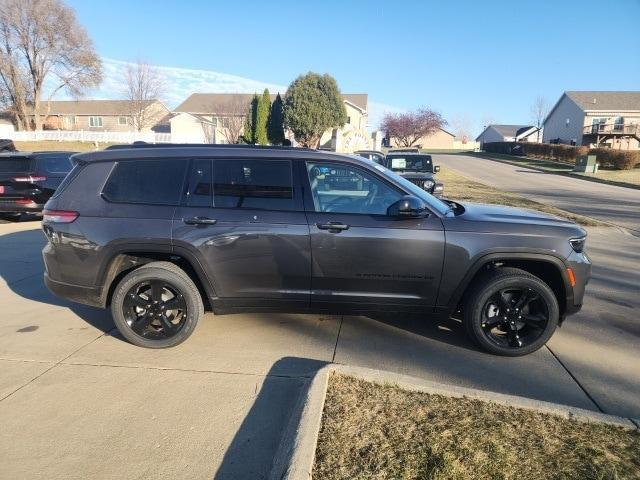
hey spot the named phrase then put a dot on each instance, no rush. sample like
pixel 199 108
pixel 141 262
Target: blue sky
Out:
pixel 479 60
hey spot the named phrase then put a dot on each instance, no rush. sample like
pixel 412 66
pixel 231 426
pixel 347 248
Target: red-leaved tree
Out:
pixel 409 127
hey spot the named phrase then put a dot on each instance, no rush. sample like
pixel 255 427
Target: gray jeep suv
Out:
pixel 159 234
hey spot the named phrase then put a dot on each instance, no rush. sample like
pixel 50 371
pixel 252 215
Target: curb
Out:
pixel 295 456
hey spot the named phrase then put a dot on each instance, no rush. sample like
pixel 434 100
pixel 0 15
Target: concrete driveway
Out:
pixel 76 401
pixel 609 203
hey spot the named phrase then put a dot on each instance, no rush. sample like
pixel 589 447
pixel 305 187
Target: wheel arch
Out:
pixel 550 269
pixel 127 259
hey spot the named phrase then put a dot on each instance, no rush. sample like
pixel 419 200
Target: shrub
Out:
pixel 607 157
pixel 617 159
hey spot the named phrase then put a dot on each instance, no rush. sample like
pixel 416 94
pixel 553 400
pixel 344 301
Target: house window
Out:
pixel 95 122
pixel 214 122
pixel 225 122
pixel 348 119
pixel 122 121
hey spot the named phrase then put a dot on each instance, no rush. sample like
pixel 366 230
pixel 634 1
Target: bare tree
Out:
pixel 233 120
pixel 409 127
pixel 143 84
pixel 462 126
pixel 539 111
pixel 43 41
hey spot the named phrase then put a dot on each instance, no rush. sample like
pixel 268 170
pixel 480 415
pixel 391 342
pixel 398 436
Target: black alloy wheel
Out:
pixel 156 305
pixel 510 312
pixel 515 317
pixel 155 309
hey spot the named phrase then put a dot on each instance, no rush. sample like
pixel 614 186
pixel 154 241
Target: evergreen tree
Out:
pixel 249 134
pixel 276 122
pixel 262 118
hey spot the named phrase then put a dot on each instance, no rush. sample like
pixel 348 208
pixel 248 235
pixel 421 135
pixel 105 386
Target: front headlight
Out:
pixel 577 244
pixel 428 184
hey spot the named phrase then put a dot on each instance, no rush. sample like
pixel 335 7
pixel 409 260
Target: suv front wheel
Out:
pixel 156 305
pixel 510 312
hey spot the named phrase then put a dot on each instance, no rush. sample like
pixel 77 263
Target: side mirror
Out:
pixel 436 168
pixel 408 207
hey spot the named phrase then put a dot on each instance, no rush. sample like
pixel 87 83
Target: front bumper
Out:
pixel 581 266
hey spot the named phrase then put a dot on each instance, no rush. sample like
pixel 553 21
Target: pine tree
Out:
pixel 262 118
pixel 276 122
pixel 249 134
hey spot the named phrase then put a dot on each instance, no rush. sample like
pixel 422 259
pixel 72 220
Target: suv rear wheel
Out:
pixel 510 312
pixel 156 305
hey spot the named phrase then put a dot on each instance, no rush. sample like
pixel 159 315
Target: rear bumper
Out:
pixel 10 206
pixel 76 293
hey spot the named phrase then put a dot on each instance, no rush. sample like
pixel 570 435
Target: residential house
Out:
pixel 602 119
pixel 103 115
pixel 219 118
pixel 440 139
pixel 509 133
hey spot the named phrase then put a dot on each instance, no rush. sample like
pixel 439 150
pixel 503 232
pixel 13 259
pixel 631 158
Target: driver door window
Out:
pixel 341 188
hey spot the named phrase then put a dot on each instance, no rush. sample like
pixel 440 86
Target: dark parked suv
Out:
pixel 27 180
pixel 160 234
pixel 416 167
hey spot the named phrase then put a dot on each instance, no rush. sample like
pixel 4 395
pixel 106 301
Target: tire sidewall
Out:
pixel 474 318
pixel 182 284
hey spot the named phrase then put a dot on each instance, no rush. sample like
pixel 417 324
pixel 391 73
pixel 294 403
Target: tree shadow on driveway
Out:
pixel 22 269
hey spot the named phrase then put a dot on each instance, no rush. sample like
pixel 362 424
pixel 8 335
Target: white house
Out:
pixel 592 118
pixel 508 133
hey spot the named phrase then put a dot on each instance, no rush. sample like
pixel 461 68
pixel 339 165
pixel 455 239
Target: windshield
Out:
pixel 433 203
pixel 416 163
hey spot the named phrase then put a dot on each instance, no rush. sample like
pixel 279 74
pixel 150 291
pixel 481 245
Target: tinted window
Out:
pixel 342 188
pixel 157 182
pixel 262 184
pixel 61 164
pixel 15 164
pixel 199 191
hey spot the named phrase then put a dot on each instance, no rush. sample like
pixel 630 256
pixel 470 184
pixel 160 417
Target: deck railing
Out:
pixel 612 129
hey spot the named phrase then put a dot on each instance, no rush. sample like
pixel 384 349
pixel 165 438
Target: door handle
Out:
pixel 199 221
pixel 332 226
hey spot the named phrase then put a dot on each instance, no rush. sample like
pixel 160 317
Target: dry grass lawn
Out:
pixel 62 146
pixel 372 431
pixel 463 189
pixel 626 176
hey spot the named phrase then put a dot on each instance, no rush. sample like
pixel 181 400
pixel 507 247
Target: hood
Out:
pixel 498 214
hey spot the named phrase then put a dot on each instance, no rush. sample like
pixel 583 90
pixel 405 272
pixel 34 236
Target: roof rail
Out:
pixel 202 145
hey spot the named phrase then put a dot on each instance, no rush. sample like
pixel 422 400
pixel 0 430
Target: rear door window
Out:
pixel 256 184
pixel 15 164
pixel 151 182
pixel 199 189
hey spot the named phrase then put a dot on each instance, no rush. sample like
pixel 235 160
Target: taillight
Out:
pixel 29 178
pixel 1 188
pixel 59 216
pixel 25 202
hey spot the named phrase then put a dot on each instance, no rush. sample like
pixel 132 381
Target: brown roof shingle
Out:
pixel 221 103
pixel 609 101
pixel 89 107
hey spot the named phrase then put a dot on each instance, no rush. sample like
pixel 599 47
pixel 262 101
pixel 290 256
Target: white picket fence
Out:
pixel 84 136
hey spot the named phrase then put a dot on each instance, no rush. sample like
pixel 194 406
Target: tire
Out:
pixel 10 217
pixel 494 296
pixel 148 325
